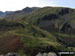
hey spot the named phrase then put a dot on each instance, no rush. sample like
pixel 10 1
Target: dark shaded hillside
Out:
pixel 52 18
pixel 20 13
pixel 2 14
pixel 9 25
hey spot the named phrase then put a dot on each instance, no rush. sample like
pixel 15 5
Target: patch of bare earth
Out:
pixel 10 43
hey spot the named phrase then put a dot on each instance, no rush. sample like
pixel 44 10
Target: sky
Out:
pixel 13 5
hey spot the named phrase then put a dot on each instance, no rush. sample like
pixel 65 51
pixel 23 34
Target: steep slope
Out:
pixel 20 13
pixel 42 30
pixel 27 38
pixel 52 18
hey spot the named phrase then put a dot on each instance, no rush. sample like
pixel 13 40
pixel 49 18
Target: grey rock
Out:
pixel 12 54
pixel 39 54
pixel 45 54
pixel 51 54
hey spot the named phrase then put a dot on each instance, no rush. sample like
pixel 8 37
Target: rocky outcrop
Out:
pixel 47 54
pixel 50 17
pixel 12 54
pixel 64 11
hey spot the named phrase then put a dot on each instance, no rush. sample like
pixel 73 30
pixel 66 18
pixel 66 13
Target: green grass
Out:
pixel 34 16
pixel 32 36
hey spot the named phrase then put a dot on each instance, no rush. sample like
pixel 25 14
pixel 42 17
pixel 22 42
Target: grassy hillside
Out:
pixel 52 18
pixel 43 30
pixel 27 38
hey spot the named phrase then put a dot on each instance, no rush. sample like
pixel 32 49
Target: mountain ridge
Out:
pixel 33 30
pixel 20 13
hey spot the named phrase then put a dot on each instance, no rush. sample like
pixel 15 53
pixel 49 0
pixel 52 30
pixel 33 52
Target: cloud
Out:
pixel 20 4
pixel 48 2
pixel 17 4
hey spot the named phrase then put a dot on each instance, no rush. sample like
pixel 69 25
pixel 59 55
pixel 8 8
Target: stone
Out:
pixel 39 54
pixel 52 54
pixel 12 54
pixel 45 54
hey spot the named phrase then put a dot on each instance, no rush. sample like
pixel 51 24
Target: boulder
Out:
pixel 52 54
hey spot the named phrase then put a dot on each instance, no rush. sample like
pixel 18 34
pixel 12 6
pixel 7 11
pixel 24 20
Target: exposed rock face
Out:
pixel 64 11
pixel 67 28
pixel 46 18
pixel 50 17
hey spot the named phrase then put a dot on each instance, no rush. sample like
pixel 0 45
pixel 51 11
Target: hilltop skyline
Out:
pixel 13 5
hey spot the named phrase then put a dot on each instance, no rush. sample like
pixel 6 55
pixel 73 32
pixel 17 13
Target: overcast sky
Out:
pixel 12 5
